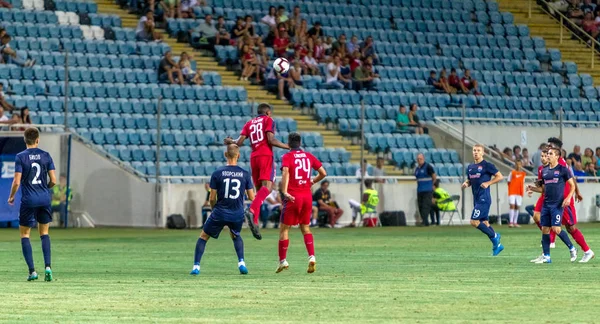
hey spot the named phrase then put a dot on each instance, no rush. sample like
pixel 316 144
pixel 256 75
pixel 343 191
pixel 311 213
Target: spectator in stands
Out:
pixel 296 72
pixel 311 64
pixel 587 7
pixel 588 157
pixel 596 157
pixel 186 8
pixel 2 33
pixel 205 33
pixel 469 84
pixel 339 46
pixel 558 5
pixel 364 168
pixel 270 19
pixel 454 80
pixel 578 171
pixel 300 34
pixel 402 120
pixel 353 45
pixel 425 175
pixel 368 63
pixel 590 26
pixel 169 7
pixel 186 70
pixel 345 68
pixel 507 154
pixel 4 120
pixel 249 24
pixel 281 42
pixel 249 62
pixel 362 78
pixel 25 118
pixel 327 45
pixel 576 155
pixel 262 62
pixel 324 202
pixel 3 103
pixel 61 194
pixel 517 153
pixel 318 50
pixel 574 12
pixel 145 28
pixel 433 81
pixel 526 160
pixel 9 56
pixel 240 29
pixel 281 15
pixel 414 120
pixel 536 159
pixel 443 81
pixel 355 61
pixel 590 170
pixel 315 33
pixel 5 4
pixel 333 78
pixel 223 35
pixel 378 170
pixel 168 69
pixel 368 49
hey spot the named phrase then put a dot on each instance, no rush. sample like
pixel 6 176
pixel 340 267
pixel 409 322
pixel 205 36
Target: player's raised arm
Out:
pixel 285 179
pixel 239 142
pixel 275 142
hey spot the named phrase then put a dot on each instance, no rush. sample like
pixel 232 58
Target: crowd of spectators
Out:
pixel 453 83
pixel 408 122
pixel 178 72
pixel 585 14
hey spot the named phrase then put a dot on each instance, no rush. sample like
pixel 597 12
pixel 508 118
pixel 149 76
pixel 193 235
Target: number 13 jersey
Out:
pixel 256 130
pixel 34 164
pixel 230 182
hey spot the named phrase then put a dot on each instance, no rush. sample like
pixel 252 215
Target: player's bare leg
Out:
pixel 24 232
pixel 310 247
pixel 588 254
pixel 284 242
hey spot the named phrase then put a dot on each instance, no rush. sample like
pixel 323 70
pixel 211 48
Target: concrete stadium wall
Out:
pixel 111 195
pixel 401 196
pixel 504 136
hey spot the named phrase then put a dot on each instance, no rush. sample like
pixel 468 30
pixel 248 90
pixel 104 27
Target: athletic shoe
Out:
pixel 544 259
pixel 587 256
pixel 497 250
pixel 511 225
pixel 242 268
pixel 552 245
pixel 536 260
pixel 48 274
pixel 283 265
pixel 32 276
pixel 496 241
pixel 517 225
pixel 312 264
pixel 573 252
pixel 253 227
pixel 195 271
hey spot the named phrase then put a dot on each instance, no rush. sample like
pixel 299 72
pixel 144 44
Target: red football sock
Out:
pixel 552 237
pixel 261 195
pixel 578 237
pixel 310 244
pixel 283 246
pixel 538 225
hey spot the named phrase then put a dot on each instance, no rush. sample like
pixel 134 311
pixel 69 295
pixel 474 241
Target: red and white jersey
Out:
pixel 256 130
pixel 300 165
pixel 540 168
pixel 563 162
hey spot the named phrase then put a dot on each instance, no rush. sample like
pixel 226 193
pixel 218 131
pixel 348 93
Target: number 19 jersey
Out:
pixel 34 164
pixel 231 183
pixel 256 130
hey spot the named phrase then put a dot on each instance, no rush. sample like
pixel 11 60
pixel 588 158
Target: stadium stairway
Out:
pixel 306 123
pixel 542 25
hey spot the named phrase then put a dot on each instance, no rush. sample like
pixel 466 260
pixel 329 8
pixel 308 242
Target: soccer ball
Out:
pixel 281 65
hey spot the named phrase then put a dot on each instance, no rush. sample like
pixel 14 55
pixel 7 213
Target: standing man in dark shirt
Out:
pixel 168 69
pixel 425 178
pixel 323 198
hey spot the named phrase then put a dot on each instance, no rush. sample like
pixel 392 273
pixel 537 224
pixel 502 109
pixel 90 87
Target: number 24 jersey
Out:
pixel 300 165
pixel 256 130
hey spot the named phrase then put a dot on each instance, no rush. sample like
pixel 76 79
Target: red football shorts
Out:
pixel 299 211
pixel 539 204
pixel 263 169
pixel 569 215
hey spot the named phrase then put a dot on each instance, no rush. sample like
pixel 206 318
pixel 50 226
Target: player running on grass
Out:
pixel 261 131
pixel 228 185
pixel 538 210
pixel 296 167
pixel 480 174
pixel 32 169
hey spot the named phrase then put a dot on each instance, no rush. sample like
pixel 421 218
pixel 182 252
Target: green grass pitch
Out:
pixel 367 275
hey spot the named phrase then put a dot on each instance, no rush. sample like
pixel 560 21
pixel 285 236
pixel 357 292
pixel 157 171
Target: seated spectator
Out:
pixel 169 70
pixel 223 35
pixel 517 153
pixel 281 15
pixel 364 168
pixel 454 80
pixel 301 50
pixel 5 4
pixel 507 155
pixel 355 61
pixel 327 46
pixel 205 33
pixel 186 9
pixel 270 18
pixel 326 204
pixel 433 81
pixel 590 170
pixel 590 26
pixel 16 118
pixel 596 157
pixel 368 63
pixel 574 12
pixel 587 7
pixel 169 7
pixel 311 64
pixel 281 42
pixel 249 62
pixel 300 33
pixel 526 160
pixel 318 50
pixel 296 72
pixel 145 28
pixel 315 33
pixel 333 78
pixel 588 157
pixel 339 46
pixel 3 103
pixel 353 45
pixel 239 30
pixel 404 123
pixel 61 194
pixel 9 56
pixel 468 83
pixel 368 203
pixel 441 202
pixel 414 120
pixel 558 5
pixel 4 120
pixel 443 81
pixel 186 69
pixel 578 171
pixel 368 49
pixel 249 25
pixel 576 155
pixel 345 68
pixel 262 62
pixel 25 118
pixel 362 79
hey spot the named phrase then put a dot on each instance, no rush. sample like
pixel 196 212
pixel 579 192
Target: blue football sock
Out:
pixel 486 230
pixel 46 250
pixel 238 244
pixel 565 238
pixel 27 253
pixel 546 244
pixel 492 232
pixel 200 245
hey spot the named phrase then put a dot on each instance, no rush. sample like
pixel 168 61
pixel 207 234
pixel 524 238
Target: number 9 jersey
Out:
pixel 34 164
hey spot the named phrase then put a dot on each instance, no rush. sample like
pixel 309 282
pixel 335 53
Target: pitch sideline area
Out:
pixel 378 275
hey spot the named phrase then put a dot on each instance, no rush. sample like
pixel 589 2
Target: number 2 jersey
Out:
pixel 34 164
pixel 231 183
pixel 300 165
pixel 256 130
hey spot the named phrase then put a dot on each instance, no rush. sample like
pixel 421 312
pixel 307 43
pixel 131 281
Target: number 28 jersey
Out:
pixel 231 183
pixel 256 130
pixel 34 164
pixel 300 165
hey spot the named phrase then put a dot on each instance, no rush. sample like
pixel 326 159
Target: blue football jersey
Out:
pixel 555 180
pixel 231 183
pixel 34 164
pixel 479 173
